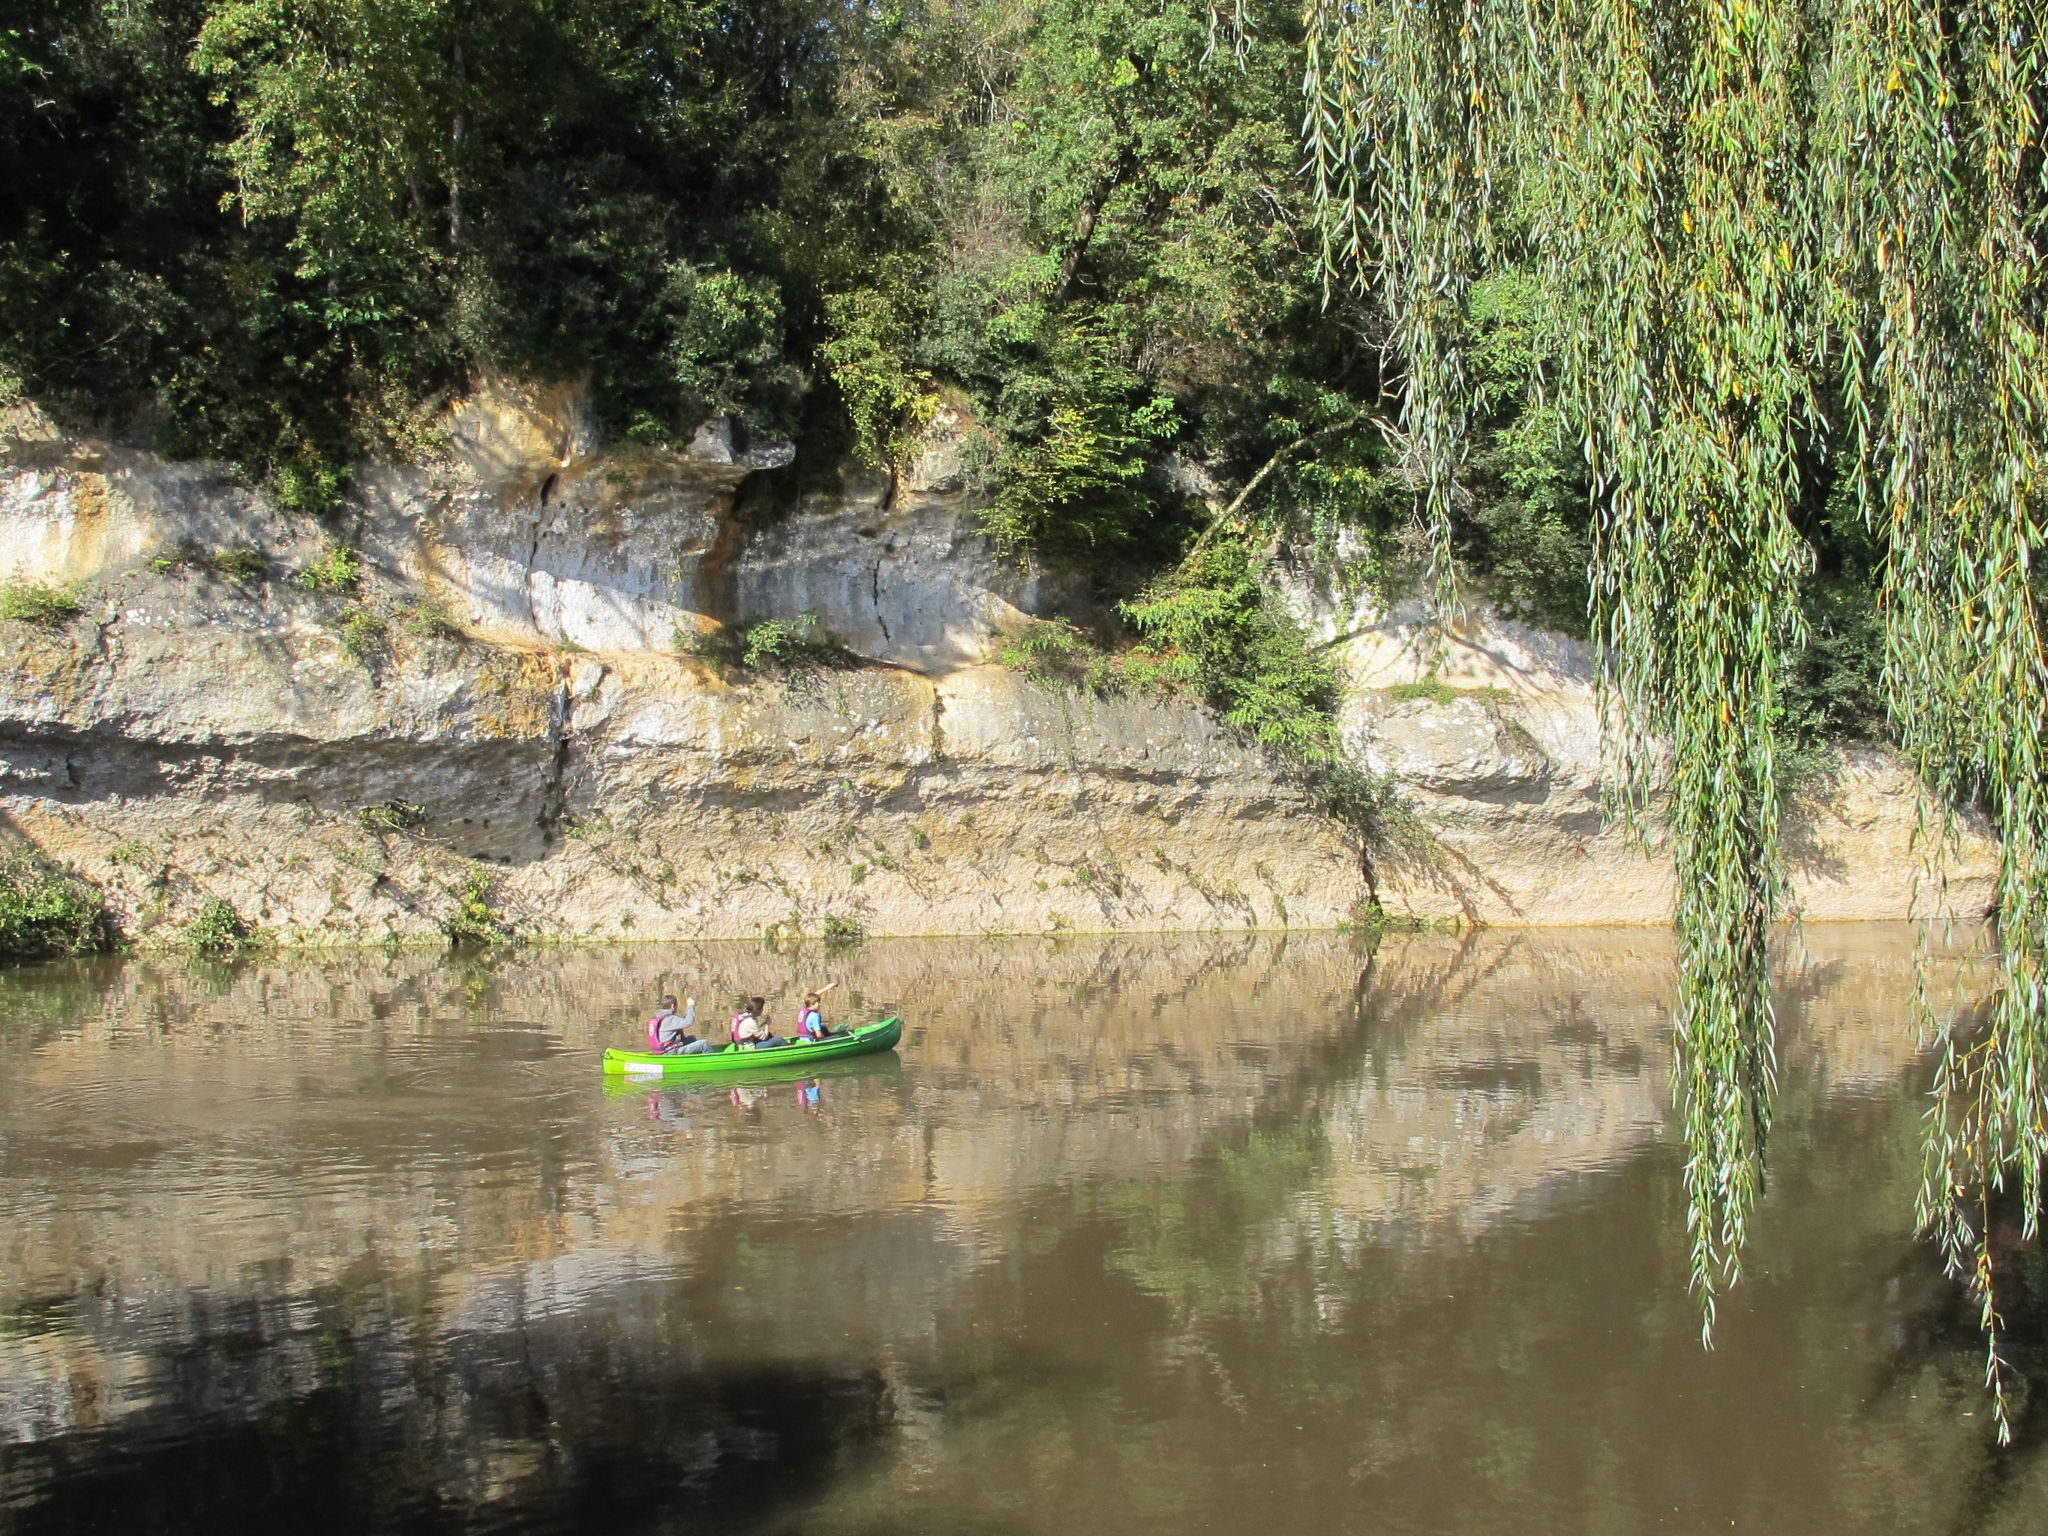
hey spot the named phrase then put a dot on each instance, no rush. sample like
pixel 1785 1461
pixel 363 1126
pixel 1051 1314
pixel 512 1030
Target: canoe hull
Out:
pixel 864 1041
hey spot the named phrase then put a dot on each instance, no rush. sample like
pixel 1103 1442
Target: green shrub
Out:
pixel 306 481
pixel 768 645
pixel 727 347
pixel 338 570
pixel 474 923
pixel 1220 636
pixel 391 816
pixel 41 604
pixel 889 402
pixel 1075 426
pixel 783 643
pixel 217 929
pixel 842 933
pixel 45 911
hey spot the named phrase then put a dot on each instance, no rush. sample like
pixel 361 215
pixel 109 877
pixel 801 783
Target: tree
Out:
pixel 1780 244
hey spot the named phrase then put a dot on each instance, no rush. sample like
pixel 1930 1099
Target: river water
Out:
pixel 1185 1234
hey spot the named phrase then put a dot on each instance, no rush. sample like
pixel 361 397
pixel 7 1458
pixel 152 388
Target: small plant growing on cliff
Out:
pixel 44 605
pixel 841 934
pixel 217 929
pixel 45 911
pixel 429 619
pixel 1429 689
pixel 1373 808
pixel 768 645
pixel 780 642
pixel 362 631
pixel 338 570
pixel 238 562
pixel 474 923
pixel 1055 654
pixel 392 816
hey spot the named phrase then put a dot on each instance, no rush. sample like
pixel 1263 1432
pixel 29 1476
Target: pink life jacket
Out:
pixel 654 1031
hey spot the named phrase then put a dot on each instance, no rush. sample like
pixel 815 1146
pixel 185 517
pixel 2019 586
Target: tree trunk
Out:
pixel 455 137
pixel 1084 226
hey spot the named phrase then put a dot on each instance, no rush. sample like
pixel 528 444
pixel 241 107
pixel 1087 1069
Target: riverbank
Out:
pixel 478 697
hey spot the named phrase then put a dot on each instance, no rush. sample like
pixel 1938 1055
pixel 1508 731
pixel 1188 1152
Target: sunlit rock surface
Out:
pixel 516 666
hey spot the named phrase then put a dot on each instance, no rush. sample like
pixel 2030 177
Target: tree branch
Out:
pixel 1233 513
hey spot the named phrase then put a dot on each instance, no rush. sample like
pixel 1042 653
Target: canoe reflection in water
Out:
pixel 674 1109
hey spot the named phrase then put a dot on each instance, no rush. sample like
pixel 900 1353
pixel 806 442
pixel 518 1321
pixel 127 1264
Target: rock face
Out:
pixel 504 708
pixel 1500 758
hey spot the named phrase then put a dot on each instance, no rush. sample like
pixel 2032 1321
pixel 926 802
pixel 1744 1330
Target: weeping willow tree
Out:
pixel 1780 240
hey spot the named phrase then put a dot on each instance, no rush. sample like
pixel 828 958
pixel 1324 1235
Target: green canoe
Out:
pixel 855 1042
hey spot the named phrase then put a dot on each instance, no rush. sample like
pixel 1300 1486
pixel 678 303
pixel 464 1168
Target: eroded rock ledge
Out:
pixel 190 735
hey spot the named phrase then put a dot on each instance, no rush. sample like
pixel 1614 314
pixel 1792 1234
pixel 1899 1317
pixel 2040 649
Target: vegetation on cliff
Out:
pixel 46 911
pixel 284 235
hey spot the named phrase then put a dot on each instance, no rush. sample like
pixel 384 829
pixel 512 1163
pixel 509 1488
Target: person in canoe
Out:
pixel 810 1022
pixel 669 1032
pixel 751 1030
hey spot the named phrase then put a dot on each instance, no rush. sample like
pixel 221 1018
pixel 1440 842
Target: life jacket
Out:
pixel 654 1030
pixel 811 1024
pixel 737 1037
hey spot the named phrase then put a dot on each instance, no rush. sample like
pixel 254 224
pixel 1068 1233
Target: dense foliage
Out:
pixel 285 234
pixel 45 911
pixel 1789 260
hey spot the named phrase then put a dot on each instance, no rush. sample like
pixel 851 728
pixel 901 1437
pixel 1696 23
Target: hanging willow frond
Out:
pixel 1939 176
pixel 1741 208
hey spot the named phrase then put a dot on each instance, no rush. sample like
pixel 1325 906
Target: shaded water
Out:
pixel 1173 1234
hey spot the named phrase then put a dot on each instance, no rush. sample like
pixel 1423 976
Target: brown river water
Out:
pixel 1179 1234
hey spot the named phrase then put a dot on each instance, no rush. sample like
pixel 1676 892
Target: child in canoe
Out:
pixel 810 1023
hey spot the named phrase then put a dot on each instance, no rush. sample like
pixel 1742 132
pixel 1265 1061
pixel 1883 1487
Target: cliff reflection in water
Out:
pixel 1245 1233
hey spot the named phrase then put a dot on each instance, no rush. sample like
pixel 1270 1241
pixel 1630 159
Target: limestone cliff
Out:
pixel 504 703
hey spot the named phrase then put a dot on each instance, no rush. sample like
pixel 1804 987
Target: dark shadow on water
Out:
pixel 475 1433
